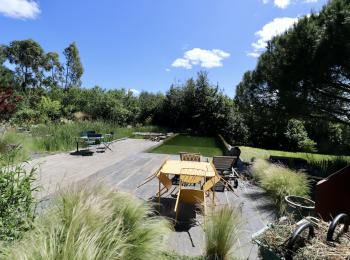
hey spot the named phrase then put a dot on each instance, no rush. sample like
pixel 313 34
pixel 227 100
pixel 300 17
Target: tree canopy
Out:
pixel 303 74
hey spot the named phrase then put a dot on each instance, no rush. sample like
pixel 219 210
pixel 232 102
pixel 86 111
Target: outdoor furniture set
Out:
pixel 196 179
pixel 91 140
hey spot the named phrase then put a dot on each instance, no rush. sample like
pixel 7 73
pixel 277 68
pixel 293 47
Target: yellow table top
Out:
pixel 176 167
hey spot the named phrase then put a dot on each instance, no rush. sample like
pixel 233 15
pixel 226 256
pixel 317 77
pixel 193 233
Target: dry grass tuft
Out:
pixel 276 238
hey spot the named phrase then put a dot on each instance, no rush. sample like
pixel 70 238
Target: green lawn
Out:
pixel 249 152
pixel 206 146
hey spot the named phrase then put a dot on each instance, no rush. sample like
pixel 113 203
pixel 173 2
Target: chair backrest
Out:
pixel 191 176
pixel 194 157
pixel 88 133
pixel 223 163
pixel 188 179
pixel 211 183
pixel 164 180
pixel 191 196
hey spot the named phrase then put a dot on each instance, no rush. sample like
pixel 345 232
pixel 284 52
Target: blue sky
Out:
pixel 150 44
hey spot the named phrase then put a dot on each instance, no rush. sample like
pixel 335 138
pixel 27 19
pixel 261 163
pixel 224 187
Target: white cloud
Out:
pixel 134 91
pixel 167 70
pixel 204 58
pixel 269 30
pixel 19 9
pixel 282 3
pixel 253 54
pixel 182 63
pixel 285 3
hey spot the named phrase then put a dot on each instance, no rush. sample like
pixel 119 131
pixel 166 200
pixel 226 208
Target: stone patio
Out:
pixel 128 165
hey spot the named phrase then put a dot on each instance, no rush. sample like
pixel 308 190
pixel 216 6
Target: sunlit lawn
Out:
pixel 250 152
pixel 206 146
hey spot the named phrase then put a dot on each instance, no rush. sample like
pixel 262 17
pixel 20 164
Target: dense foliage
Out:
pixel 297 98
pixel 304 75
pixel 51 92
pixel 17 204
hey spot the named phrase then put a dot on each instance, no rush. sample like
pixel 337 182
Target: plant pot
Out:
pixel 300 207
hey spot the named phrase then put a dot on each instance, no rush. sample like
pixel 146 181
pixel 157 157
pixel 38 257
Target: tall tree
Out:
pixel 55 69
pixel 74 69
pixel 28 57
pixel 6 75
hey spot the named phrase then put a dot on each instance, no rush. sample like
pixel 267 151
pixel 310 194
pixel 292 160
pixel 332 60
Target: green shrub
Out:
pixel 25 116
pixel 279 181
pixel 94 223
pixel 298 138
pixel 17 204
pixel 50 109
pixel 221 233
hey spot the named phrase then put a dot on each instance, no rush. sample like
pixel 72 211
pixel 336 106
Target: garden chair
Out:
pixel 184 156
pixel 166 182
pixel 108 140
pixel 210 184
pixel 224 165
pixel 154 175
pixel 189 195
pixel 85 139
pixel 194 157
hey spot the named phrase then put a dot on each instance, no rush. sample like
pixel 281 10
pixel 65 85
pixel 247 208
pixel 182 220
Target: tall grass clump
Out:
pixel 324 168
pixel 258 169
pixel 93 223
pixel 279 181
pixel 17 204
pixel 221 233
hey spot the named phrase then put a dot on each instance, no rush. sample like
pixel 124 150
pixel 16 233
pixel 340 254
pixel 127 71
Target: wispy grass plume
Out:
pixel 221 233
pixel 95 223
pixel 280 181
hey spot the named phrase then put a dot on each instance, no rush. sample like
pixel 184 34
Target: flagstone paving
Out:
pixel 128 165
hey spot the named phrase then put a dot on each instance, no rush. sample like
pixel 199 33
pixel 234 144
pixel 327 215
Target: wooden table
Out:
pixel 174 167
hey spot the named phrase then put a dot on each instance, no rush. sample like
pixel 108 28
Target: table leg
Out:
pixel 159 195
